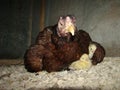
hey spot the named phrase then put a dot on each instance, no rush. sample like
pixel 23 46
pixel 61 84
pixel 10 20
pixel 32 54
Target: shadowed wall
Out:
pixel 19 26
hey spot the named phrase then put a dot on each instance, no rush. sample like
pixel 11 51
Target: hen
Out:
pixel 57 46
pixel 54 48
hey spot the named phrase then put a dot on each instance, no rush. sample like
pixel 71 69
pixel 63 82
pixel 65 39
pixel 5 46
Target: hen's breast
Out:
pixel 69 52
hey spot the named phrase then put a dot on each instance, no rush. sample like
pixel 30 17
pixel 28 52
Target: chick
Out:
pixel 83 63
pixel 92 48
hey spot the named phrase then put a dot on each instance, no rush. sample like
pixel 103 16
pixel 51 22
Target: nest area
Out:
pixel 104 76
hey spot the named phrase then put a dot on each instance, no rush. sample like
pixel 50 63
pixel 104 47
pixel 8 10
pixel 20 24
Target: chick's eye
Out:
pixel 91 49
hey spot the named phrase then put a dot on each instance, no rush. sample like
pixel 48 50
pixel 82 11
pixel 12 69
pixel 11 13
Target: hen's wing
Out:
pixel 83 38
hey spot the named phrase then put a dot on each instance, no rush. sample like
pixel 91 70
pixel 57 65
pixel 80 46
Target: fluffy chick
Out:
pixel 83 63
pixel 92 48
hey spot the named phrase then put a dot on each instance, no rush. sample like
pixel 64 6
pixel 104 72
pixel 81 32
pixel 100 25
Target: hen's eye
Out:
pixel 61 24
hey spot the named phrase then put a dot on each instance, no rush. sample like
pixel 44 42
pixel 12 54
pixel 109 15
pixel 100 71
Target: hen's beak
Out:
pixel 71 29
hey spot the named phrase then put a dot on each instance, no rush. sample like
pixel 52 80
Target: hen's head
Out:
pixel 66 24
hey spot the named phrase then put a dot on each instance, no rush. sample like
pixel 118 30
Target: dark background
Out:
pixel 21 20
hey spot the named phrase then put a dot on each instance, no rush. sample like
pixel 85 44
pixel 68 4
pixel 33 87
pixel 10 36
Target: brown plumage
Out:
pixel 83 39
pixel 32 58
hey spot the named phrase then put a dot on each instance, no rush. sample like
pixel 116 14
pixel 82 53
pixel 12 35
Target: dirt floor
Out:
pixel 104 76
